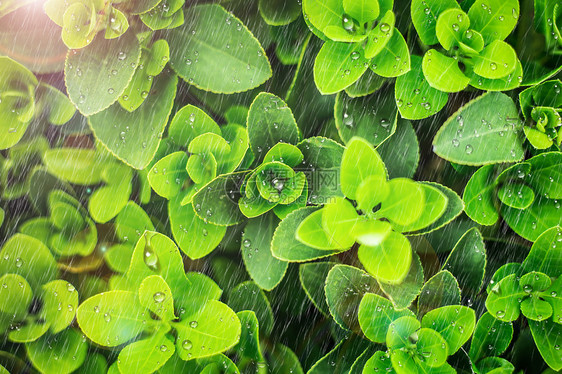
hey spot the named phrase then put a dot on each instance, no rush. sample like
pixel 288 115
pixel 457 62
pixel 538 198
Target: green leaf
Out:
pixel 502 301
pixel 491 117
pixel 60 301
pixel 547 336
pixel 517 196
pixel 212 329
pixel 440 290
pixel 194 55
pixel 339 217
pixel 311 232
pixel 77 166
pixel 467 261
pixel 402 206
pixel 134 137
pixel 283 360
pixel 394 59
pixel 424 17
pixel 107 201
pixel 491 337
pixel 402 295
pixel 338 66
pixel 479 196
pixel 545 256
pixel 400 152
pixel 156 254
pixel 114 59
pixel 430 345
pixel 536 309
pixel 345 287
pixel 266 270
pixel 270 121
pixel 415 97
pixel 279 12
pixel 379 362
pixel 434 206
pixel 112 318
pixel 536 219
pixel 199 123
pixel 340 359
pixel 249 345
pixel 168 184
pixel 285 245
pixel 400 330
pixel 451 26
pixel 29 258
pixel 375 316
pixel 497 60
pixel 506 83
pixel 355 117
pixel 249 296
pixel 371 192
pixel 494 19
pixel 313 278
pixel 381 35
pixel 359 161
pixel 388 261
pixel 217 203
pixel 58 107
pixel 326 155
pixel 546 174
pixel 155 295
pixel 443 72
pixel 455 323
pixel 69 347
pixel 362 10
pixel 328 17
pixel 16 295
pixel 146 355
pixel 454 207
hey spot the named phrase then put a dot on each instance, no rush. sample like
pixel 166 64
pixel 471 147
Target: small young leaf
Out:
pixel 455 323
pixel 339 65
pixel 155 295
pixel 403 205
pixel 502 301
pixel 443 72
pixel 311 232
pixel 394 59
pixel 497 60
pixel 451 26
pixel 388 261
pixel 212 329
pixel 518 196
pixel 415 97
pixel 375 316
pixel 425 14
pixel 359 161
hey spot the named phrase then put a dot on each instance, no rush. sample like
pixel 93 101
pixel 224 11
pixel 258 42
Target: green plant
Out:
pixel 280 187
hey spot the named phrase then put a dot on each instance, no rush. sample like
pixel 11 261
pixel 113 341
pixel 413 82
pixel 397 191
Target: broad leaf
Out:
pixel 375 316
pixel 209 29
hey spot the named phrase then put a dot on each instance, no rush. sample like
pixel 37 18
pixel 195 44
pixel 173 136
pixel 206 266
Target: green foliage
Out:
pixel 152 224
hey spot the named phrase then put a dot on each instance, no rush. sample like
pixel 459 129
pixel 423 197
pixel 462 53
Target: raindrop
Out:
pixel 159 297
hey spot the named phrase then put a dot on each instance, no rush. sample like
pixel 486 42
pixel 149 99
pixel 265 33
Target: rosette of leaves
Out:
pixel 17 168
pixel 81 20
pixel 24 99
pixel 108 182
pixel 376 213
pixel 68 230
pixel 199 157
pixel 472 48
pixel 527 195
pixel 160 311
pixel 358 35
pixel 541 106
pixel 533 288
pixel 37 307
pixel 413 346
